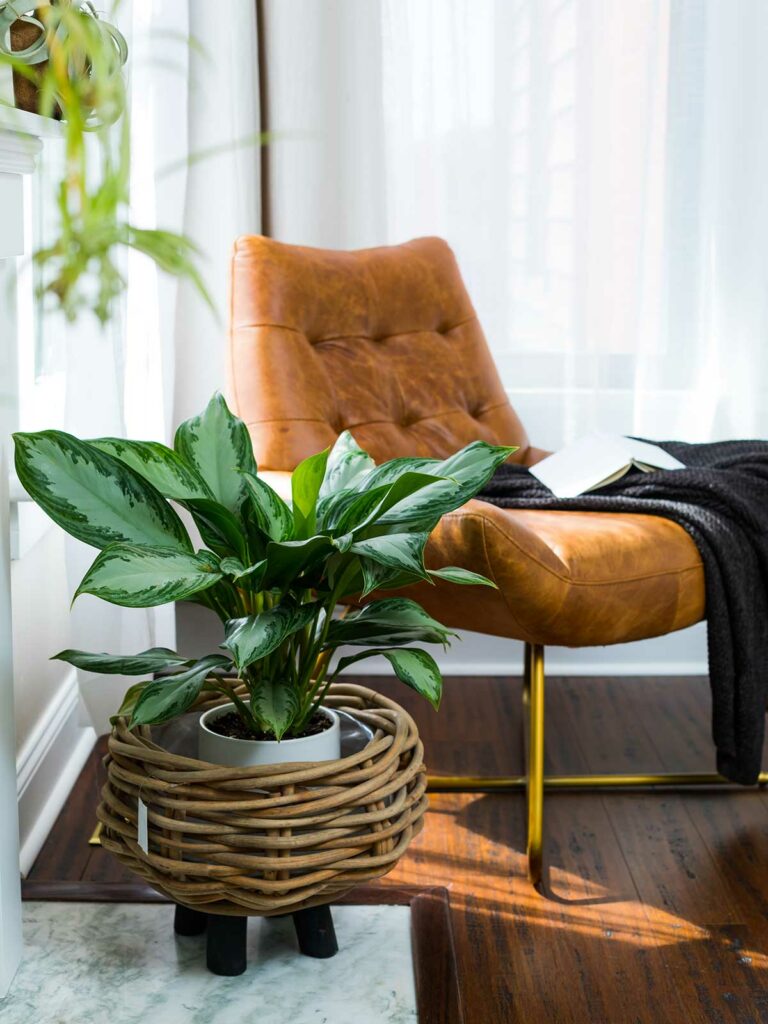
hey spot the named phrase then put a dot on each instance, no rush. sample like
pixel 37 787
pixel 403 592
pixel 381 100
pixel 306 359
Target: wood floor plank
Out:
pixel 658 908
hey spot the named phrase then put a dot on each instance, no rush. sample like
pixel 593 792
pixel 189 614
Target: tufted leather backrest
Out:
pixel 383 342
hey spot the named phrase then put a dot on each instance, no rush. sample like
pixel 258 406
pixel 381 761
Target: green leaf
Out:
pixel 397 550
pixel 253 574
pixel 156 659
pixel 255 636
pixel 94 496
pixel 393 469
pixel 358 512
pixel 165 698
pixel 273 517
pixel 306 481
pixel 219 446
pixel 275 704
pixel 286 560
pixel 391 620
pixel 220 529
pixel 414 667
pixel 403 552
pixel 347 465
pixel 142 577
pixel 158 464
pixel 465 473
pixel 130 700
pixel 455 574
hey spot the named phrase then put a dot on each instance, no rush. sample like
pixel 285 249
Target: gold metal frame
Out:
pixel 535 781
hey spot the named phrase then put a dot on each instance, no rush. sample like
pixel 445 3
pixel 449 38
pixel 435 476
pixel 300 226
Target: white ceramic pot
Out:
pixel 237 753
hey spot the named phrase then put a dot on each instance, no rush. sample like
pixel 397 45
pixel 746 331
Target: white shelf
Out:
pixel 24 123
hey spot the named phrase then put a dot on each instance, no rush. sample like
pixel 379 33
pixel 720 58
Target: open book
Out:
pixel 596 460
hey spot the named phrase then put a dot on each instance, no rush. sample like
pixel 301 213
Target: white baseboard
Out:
pixel 47 767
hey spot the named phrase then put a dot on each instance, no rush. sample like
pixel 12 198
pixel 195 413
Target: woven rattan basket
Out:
pixel 270 839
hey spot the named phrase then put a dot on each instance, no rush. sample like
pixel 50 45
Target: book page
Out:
pixel 596 460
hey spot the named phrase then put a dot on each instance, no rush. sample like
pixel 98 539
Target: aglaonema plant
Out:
pixel 273 571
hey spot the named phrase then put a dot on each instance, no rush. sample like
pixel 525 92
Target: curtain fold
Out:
pixel 598 168
pixel 193 88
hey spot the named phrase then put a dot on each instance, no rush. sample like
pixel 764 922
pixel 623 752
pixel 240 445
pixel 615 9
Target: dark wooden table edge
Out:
pixel 438 992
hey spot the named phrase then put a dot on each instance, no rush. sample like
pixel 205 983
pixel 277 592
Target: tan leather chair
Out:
pixel 385 342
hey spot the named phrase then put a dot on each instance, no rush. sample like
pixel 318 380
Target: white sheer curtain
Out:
pixel 600 169
pixel 193 79
pixel 598 166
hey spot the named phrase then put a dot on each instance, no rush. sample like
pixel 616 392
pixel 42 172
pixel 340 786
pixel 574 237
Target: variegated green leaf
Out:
pixel 156 659
pixel 255 636
pixel 275 703
pixel 397 550
pixel 285 561
pixel 391 620
pixel 273 517
pixel 165 470
pixel 220 529
pixel 130 700
pixel 414 667
pixel 218 446
pixel 401 552
pixel 169 696
pixel 93 495
pixel 369 507
pixel 347 465
pixel 393 469
pixel 142 577
pixel 465 473
pixel 455 574
pixel 251 574
pixel 306 481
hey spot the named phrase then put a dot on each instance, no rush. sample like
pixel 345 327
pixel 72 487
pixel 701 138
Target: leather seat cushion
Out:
pixel 569 578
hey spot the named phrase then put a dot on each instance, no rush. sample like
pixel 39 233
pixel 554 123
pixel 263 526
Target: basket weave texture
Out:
pixel 269 839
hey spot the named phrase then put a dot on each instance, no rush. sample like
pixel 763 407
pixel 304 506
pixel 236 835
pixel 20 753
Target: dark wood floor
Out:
pixel 657 906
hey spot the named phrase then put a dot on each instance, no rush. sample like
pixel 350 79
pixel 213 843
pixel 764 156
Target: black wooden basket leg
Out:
pixel 189 922
pixel 225 949
pixel 315 932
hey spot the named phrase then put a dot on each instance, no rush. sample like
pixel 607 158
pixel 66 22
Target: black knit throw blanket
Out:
pixel 721 499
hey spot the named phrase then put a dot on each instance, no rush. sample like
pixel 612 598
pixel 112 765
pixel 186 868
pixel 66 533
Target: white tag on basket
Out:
pixel 143 837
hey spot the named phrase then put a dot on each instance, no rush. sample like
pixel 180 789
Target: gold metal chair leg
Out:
pixel 535 782
pixel 533 698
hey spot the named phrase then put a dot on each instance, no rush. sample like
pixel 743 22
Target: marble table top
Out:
pixel 115 963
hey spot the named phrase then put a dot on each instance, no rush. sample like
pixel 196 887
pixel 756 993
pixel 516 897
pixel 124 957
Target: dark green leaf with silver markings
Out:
pixel 160 465
pixel 142 577
pixel 273 517
pixel 275 703
pixel 218 446
pixel 347 465
pixel 165 698
pixel 391 620
pixel 414 667
pixel 455 574
pixel 156 659
pixel 255 636
pixel 93 495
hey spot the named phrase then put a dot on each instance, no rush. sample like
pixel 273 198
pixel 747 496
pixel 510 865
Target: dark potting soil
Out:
pixel 233 726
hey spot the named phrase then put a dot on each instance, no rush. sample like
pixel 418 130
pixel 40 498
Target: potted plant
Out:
pixel 272 571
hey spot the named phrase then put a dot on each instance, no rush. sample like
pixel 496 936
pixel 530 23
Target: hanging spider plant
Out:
pixel 75 68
